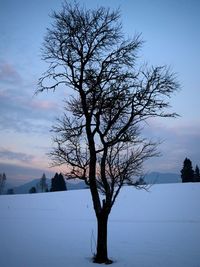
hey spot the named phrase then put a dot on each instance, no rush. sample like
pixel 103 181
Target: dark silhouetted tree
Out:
pixel 99 137
pixel 10 191
pixel 2 182
pixel 32 190
pixel 53 183
pixel 140 181
pixel 58 183
pixel 197 174
pixel 187 172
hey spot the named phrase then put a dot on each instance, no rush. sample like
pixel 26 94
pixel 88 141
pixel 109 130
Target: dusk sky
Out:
pixel 171 31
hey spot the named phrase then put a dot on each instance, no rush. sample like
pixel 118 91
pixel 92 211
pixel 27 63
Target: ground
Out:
pixel 159 228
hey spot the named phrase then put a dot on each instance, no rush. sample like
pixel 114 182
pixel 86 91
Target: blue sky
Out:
pixel 171 31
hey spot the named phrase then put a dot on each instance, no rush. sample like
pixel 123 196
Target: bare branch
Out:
pixel 99 135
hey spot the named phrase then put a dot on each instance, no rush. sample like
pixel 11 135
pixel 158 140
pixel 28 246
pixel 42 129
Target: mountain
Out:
pixel 151 178
pixel 76 186
pixel 18 174
pixel 162 178
pixel 24 189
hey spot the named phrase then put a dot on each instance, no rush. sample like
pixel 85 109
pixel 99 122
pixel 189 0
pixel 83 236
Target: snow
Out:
pixel 146 229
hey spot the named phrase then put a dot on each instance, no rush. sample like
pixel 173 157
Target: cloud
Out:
pixel 44 105
pixel 21 112
pixel 9 155
pixel 17 175
pixel 18 117
pixel 8 73
pixel 179 141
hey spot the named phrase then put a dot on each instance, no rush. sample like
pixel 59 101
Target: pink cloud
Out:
pixel 9 155
pixel 8 73
pixel 44 105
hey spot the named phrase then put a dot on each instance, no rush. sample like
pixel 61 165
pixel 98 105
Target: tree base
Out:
pixel 102 260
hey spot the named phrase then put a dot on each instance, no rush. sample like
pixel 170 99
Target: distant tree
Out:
pixel 32 190
pixel 2 182
pixel 58 183
pixel 43 183
pixel 10 191
pixel 53 183
pixel 187 172
pixel 141 181
pixel 197 174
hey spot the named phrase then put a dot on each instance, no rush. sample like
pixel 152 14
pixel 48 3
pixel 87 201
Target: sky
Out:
pixel 171 33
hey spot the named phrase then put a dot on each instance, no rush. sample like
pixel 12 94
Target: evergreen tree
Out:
pixel 53 183
pixel 197 174
pixel 32 190
pixel 187 172
pixel 43 183
pixel 10 191
pixel 2 182
pixel 61 183
pixel 58 183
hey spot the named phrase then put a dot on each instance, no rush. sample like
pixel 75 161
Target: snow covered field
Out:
pixel 160 228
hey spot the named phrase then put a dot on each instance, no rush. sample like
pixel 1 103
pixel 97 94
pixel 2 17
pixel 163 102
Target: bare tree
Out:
pixel 99 136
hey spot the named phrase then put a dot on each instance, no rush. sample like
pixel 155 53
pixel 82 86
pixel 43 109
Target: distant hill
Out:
pixel 76 186
pixel 24 189
pixel 162 178
pixel 151 178
pixel 17 174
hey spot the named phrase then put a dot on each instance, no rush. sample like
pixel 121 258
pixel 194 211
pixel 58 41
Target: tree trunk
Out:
pixel 102 252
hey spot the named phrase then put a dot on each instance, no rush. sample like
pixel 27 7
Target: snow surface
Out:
pixel 160 228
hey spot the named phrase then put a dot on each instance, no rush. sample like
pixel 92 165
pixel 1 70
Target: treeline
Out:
pixel 188 174
pixel 57 184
